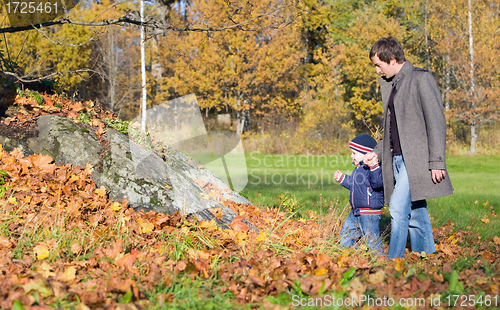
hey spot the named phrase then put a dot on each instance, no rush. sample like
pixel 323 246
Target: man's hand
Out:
pixel 371 159
pixel 438 175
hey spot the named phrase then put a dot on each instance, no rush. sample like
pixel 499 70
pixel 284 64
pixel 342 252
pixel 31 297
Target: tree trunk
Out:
pixel 112 70
pixel 156 70
pixel 427 52
pixel 447 79
pixel 241 117
pixel 143 72
pixel 473 139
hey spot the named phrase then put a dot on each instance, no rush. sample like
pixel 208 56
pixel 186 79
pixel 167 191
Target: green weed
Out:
pixel 3 188
pixel 84 118
pixel 35 95
pixel 193 293
pixel 121 126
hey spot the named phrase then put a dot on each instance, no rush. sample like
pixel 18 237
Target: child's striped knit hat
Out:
pixel 363 143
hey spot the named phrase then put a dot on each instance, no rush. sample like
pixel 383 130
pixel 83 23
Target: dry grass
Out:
pixel 292 144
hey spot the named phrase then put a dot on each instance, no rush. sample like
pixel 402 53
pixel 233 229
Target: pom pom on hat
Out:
pixel 363 143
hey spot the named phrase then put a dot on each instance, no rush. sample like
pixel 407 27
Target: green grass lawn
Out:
pixel 473 206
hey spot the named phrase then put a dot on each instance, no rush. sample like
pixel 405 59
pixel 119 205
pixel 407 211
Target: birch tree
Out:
pixel 466 43
pixel 473 128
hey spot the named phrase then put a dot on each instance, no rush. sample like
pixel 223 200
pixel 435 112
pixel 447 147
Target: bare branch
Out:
pixel 250 24
pixel 494 33
pixel 22 46
pixel 48 77
pixel 63 21
pixel 122 100
pixel 111 7
pixel 8 52
pixel 149 24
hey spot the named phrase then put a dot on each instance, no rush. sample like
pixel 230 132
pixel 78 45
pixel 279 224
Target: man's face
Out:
pixel 386 69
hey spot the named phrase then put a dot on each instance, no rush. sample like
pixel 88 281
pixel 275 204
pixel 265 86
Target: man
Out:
pixel 412 151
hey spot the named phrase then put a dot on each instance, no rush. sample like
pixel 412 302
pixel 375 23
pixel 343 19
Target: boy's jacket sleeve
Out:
pixel 375 178
pixel 346 181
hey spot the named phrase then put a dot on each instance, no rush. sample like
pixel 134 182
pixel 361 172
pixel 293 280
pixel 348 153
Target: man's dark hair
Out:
pixel 387 49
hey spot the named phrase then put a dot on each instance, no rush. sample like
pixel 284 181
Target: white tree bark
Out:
pixel 112 70
pixel 473 128
pixel 427 49
pixel 447 79
pixel 143 72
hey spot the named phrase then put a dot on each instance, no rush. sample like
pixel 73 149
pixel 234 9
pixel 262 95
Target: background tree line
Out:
pixel 300 73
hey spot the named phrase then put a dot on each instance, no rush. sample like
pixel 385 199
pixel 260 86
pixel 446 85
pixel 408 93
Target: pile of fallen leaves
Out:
pixel 28 108
pixel 61 238
pixel 64 244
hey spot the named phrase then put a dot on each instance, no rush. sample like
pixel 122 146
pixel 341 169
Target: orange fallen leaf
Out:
pixel 357 287
pixel 209 225
pixel 68 275
pixel 202 266
pixel 73 178
pixel 342 261
pixel 205 196
pixel 261 237
pixel 145 226
pixel 100 131
pixel 496 240
pixel 217 212
pixel 447 249
pixel 75 247
pixel 41 251
pixel 76 106
pixel 488 256
pixel 400 264
pixel 97 123
pixel 238 225
pixel 5 242
pixel 115 249
pixel 181 266
pixel 17 153
pixel 116 206
pixel 203 254
pixel 46 270
pixel 320 272
pixel 494 287
pixel 377 277
pixel 101 191
pixel 127 261
pixel 43 162
pixel 485 219
pixel 437 277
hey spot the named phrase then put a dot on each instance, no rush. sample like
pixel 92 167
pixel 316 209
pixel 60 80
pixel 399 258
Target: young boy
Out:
pixel 366 199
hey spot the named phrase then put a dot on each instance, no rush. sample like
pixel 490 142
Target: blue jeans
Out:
pixel 406 214
pixel 365 225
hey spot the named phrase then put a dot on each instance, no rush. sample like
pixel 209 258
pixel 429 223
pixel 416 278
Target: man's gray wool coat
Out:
pixel 422 132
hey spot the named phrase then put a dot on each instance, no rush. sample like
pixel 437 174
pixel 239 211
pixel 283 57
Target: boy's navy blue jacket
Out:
pixel 367 189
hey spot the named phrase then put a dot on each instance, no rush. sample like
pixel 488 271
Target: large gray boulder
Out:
pixel 130 171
